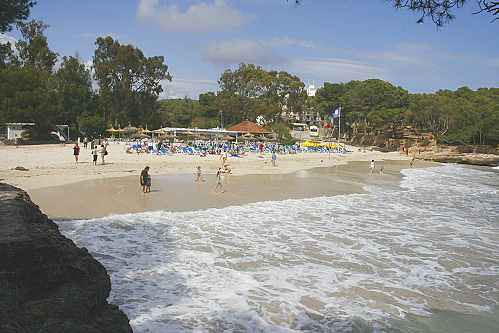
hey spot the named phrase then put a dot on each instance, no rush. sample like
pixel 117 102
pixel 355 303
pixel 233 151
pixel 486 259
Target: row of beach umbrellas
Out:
pixel 135 132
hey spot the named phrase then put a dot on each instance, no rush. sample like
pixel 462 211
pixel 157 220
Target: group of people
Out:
pixel 94 152
pixel 382 169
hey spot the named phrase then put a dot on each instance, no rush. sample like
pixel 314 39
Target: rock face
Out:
pixel 47 283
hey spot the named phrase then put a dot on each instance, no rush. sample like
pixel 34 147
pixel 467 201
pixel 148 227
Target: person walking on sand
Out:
pixel 219 181
pixel 76 151
pixel 273 158
pixel 412 161
pixel 198 174
pixel 103 153
pixel 16 141
pixel 372 166
pixel 143 179
pixel 224 156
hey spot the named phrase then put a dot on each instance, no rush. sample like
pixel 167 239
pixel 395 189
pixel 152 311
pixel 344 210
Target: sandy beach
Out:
pixel 65 189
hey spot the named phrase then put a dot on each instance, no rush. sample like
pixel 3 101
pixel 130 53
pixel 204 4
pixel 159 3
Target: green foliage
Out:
pixel 14 11
pixel 75 91
pixel 33 47
pixel 129 82
pixel 91 124
pixel 250 92
pixel 282 129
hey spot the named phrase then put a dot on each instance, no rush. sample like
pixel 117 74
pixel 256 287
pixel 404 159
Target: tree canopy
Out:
pixel 129 82
pixel 250 92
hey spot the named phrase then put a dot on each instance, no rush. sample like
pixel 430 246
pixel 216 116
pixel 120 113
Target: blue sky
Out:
pixel 319 41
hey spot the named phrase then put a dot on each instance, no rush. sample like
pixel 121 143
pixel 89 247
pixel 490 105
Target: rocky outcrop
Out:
pixel 47 283
pixel 474 159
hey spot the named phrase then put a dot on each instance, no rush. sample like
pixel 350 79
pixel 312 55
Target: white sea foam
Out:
pixel 351 262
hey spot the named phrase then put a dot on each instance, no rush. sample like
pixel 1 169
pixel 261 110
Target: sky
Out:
pixel 331 41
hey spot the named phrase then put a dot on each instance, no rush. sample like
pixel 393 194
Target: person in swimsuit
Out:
pixel 76 151
pixel 372 166
pixel 219 180
pixel 198 174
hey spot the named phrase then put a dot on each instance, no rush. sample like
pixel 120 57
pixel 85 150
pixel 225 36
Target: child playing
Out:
pixel 198 173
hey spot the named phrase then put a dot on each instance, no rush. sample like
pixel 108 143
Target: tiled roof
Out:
pixel 247 126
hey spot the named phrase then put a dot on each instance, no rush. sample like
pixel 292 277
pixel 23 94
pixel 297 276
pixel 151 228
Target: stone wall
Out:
pixel 47 283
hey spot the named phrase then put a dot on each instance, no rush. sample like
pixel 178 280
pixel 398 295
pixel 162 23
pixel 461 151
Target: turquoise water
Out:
pixel 416 255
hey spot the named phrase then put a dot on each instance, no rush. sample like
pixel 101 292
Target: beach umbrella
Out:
pixel 146 130
pixel 130 129
pixel 248 135
pixel 111 129
pixel 188 132
pixel 201 137
pixel 168 136
pixel 273 139
pixel 243 138
pixel 227 137
pixel 140 135
pixel 219 136
pixel 160 131
pixel 273 134
pixel 262 138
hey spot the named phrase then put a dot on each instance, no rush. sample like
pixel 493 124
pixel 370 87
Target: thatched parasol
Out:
pixel 140 135
pixel 200 137
pixel 168 136
pixel 227 137
pixel 130 129
pixel 146 130
pixel 219 136
pixel 262 138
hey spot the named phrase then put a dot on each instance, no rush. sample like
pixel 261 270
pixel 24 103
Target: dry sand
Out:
pixel 65 189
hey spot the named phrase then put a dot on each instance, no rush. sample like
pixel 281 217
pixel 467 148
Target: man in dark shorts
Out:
pixel 143 178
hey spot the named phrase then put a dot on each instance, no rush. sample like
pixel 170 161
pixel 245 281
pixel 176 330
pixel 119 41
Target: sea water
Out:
pixel 416 255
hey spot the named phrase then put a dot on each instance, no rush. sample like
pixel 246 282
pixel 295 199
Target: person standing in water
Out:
pixel 198 174
pixel 372 166
pixel 219 181
pixel 144 175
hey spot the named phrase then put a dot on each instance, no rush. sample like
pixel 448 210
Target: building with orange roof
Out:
pixel 247 126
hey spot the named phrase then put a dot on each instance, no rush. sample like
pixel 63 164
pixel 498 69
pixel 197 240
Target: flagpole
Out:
pixel 339 127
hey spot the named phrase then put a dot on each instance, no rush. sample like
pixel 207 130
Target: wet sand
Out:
pixel 179 192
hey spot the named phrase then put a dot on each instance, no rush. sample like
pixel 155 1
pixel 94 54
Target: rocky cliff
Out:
pixel 47 283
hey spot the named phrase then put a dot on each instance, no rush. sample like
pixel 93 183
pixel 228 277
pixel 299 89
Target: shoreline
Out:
pixel 178 192
pixel 62 188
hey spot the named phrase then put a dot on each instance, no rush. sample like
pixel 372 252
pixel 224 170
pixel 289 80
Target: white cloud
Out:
pixel 182 86
pixel 236 51
pixel 288 41
pixel 4 39
pixel 199 18
pixel 337 70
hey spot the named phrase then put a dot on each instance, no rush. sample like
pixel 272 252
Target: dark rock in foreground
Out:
pixel 47 283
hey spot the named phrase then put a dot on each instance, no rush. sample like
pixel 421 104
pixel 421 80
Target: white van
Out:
pixel 314 130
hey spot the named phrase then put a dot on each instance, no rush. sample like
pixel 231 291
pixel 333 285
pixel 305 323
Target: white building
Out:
pixel 13 129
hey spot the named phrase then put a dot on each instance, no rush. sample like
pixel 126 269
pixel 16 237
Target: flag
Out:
pixel 336 113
